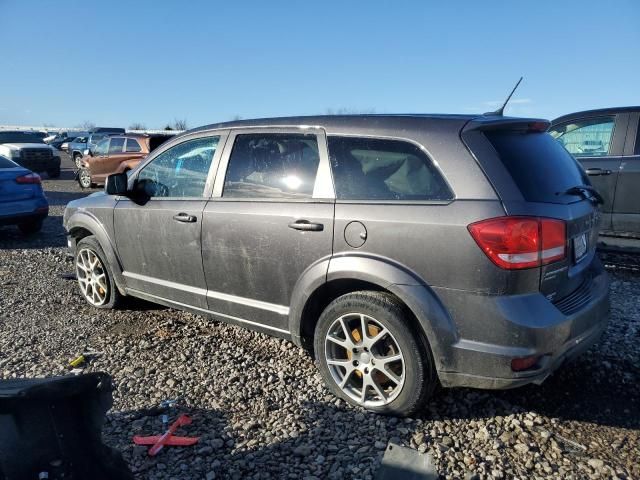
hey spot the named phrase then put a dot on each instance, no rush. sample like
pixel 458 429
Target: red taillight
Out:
pixel 525 363
pixel 521 242
pixel 28 178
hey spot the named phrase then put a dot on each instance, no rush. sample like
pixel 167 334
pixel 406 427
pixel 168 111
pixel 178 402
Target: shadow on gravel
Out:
pixel 578 391
pixel 51 236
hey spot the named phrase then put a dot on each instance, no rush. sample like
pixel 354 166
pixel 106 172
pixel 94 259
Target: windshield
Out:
pixel 541 168
pixel 19 137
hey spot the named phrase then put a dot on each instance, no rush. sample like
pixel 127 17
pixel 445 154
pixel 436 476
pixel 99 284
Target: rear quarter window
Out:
pixel 540 167
pixel 382 169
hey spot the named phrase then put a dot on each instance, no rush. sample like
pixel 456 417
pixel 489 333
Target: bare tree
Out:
pixel 137 126
pixel 179 124
pixel 87 125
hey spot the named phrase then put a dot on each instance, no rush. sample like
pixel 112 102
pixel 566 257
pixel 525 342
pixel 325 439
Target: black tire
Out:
pixel 420 377
pixel 31 227
pixel 114 297
pixel 84 178
pixel 55 173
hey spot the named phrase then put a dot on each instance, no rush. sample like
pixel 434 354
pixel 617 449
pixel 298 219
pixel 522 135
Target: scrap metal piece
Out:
pixel 406 463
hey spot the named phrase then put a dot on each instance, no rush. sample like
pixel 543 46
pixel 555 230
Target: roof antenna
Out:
pixel 500 112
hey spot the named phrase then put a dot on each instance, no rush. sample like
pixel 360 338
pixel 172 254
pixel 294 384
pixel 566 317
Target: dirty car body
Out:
pixel 482 257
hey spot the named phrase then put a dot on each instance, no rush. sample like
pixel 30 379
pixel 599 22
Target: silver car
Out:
pixel 404 251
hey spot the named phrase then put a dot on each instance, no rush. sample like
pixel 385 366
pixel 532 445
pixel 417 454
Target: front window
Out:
pixel 272 165
pixel 101 148
pixel 589 137
pixel 181 171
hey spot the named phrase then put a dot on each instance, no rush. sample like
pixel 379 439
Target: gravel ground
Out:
pixel 260 406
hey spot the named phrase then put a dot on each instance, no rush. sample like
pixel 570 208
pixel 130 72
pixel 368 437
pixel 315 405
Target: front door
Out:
pixel 270 219
pixel 597 143
pixel 158 235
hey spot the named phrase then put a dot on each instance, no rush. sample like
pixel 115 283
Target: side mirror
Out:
pixel 116 184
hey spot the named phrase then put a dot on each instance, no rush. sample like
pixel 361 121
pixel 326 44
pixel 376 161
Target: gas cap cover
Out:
pixel 355 234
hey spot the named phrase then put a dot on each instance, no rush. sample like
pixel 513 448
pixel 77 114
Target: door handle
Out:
pixel 185 218
pixel 597 172
pixel 306 226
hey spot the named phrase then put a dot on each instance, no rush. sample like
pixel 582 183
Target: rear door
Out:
pixel 542 173
pixel 597 143
pixel 270 218
pixel 626 205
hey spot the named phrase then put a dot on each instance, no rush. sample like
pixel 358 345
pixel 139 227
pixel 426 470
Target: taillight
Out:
pixel 521 242
pixel 28 178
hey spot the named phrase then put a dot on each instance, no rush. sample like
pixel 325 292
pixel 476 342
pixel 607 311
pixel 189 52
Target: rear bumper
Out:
pixel 494 330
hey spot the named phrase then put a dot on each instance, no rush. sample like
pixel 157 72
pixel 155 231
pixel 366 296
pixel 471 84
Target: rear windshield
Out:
pixel 19 137
pixel 541 168
pixel 6 163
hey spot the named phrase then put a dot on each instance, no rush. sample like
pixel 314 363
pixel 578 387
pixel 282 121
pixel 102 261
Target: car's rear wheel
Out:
pixel 54 173
pixel 84 178
pixel 370 354
pixel 95 278
pixel 30 227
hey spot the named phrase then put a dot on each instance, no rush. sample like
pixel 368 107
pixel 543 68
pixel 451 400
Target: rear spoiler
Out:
pixel 495 122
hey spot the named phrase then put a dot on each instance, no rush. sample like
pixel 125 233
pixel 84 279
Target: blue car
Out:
pixel 22 200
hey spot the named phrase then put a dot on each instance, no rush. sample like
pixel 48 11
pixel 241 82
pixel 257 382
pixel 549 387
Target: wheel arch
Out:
pixel 81 225
pixel 347 274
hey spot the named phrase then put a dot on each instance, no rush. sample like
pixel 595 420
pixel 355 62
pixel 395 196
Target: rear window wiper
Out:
pixel 586 191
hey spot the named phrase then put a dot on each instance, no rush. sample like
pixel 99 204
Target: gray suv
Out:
pixel 402 250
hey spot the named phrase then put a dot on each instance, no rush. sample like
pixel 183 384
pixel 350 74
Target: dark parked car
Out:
pixel 607 144
pixel 22 201
pixel 405 250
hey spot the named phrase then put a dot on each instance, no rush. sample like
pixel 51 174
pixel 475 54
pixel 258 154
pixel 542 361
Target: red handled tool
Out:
pixel 158 442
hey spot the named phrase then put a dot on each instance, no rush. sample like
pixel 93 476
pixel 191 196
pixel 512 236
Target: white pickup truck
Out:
pixel 29 151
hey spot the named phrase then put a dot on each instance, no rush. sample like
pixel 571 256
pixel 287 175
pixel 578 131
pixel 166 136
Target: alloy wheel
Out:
pixel 364 359
pixel 85 178
pixel 92 277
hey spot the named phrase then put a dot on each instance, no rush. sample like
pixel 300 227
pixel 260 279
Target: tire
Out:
pixel 387 322
pixel 55 173
pixel 99 294
pixel 84 178
pixel 76 159
pixel 31 227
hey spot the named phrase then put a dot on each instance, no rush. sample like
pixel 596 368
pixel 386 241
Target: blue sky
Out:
pixel 116 62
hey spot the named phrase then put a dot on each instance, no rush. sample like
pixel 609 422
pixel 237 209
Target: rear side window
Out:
pixel 379 169
pixel 116 145
pixel 589 137
pixel 272 165
pixel 541 168
pixel 6 163
pixel 133 145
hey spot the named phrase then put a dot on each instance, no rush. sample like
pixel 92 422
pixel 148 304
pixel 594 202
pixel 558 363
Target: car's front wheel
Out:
pixel 370 354
pixel 77 159
pixel 84 178
pixel 94 275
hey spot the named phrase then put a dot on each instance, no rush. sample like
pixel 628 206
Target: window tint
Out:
pixel 586 138
pixel 539 166
pixel 272 166
pixel 133 145
pixel 377 169
pixel 180 171
pixel 116 145
pixel 19 137
pixel 97 138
